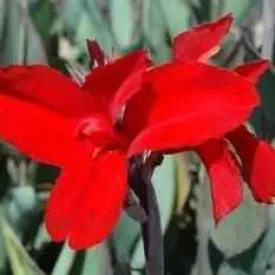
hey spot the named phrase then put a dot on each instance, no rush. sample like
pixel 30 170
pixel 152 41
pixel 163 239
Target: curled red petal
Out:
pixel 131 86
pixel 197 42
pixel 180 133
pixel 253 70
pixel 182 105
pixel 35 131
pixel 104 82
pixel 258 163
pixel 95 52
pixel 47 87
pixel 225 177
pixel 86 203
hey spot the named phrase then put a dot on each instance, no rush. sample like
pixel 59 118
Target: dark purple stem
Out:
pixel 140 181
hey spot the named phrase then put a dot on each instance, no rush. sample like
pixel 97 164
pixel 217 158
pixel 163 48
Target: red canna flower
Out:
pixel 199 44
pixel 123 109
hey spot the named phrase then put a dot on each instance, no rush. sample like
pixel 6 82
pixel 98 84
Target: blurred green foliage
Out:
pixel 54 32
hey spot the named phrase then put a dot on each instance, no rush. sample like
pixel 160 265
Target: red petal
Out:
pixel 63 204
pixel 131 86
pixel 258 160
pixel 95 52
pixel 224 173
pixel 47 87
pixel 104 82
pixel 200 40
pixel 186 104
pixel 86 204
pixel 45 136
pixel 253 70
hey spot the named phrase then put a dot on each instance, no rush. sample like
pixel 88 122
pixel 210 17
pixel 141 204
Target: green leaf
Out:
pixel 43 16
pixel 20 42
pixel 248 215
pixel 122 22
pixel 77 266
pixel 267 107
pixel 72 14
pixel 84 19
pixel 2 17
pixel 124 238
pixel 97 261
pixel 12 43
pixel 176 15
pixel 232 52
pixel 204 10
pixel 3 254
pixel 264 253
pixel 85 30
pixel 21 263
pixel 64 262
pixel 236 237
pixel 240 9
pixel 156 34
pixel 41 237
pixel 227 269
pixel 24 197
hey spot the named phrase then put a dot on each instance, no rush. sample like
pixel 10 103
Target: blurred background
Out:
pixel 54 32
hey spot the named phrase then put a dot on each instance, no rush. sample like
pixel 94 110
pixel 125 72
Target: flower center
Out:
pixel 101 134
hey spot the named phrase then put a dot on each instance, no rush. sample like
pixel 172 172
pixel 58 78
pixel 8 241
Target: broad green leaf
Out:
pixel 234 239
pixel 232 52
pixel 42 14
pixel 41 237
pixel 72 14
pixel 271 265
pixel 85 29
pixel 264 255
pixel 2 18
pixel 122 22
pixel 83 19
pixel 35 51
pixel 64 262
pixel 21 207
pixel 249 220
pixel 20 261
pixel 20 42
pixel 124 238
pixel 267 50
pixel 97 261
pixel 258 258
pixel 205 10
pixel 227 269
pixel 240 9
pixel 267 107
pixel 176 15
pixel 3 254
pixel 156 34
pixel 183 181
pixel 103 32
pixel 77 266
pixel 12 43
pixel 24 197
pixel 164 184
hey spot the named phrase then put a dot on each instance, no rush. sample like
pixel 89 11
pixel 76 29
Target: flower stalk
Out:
pixel 142 169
